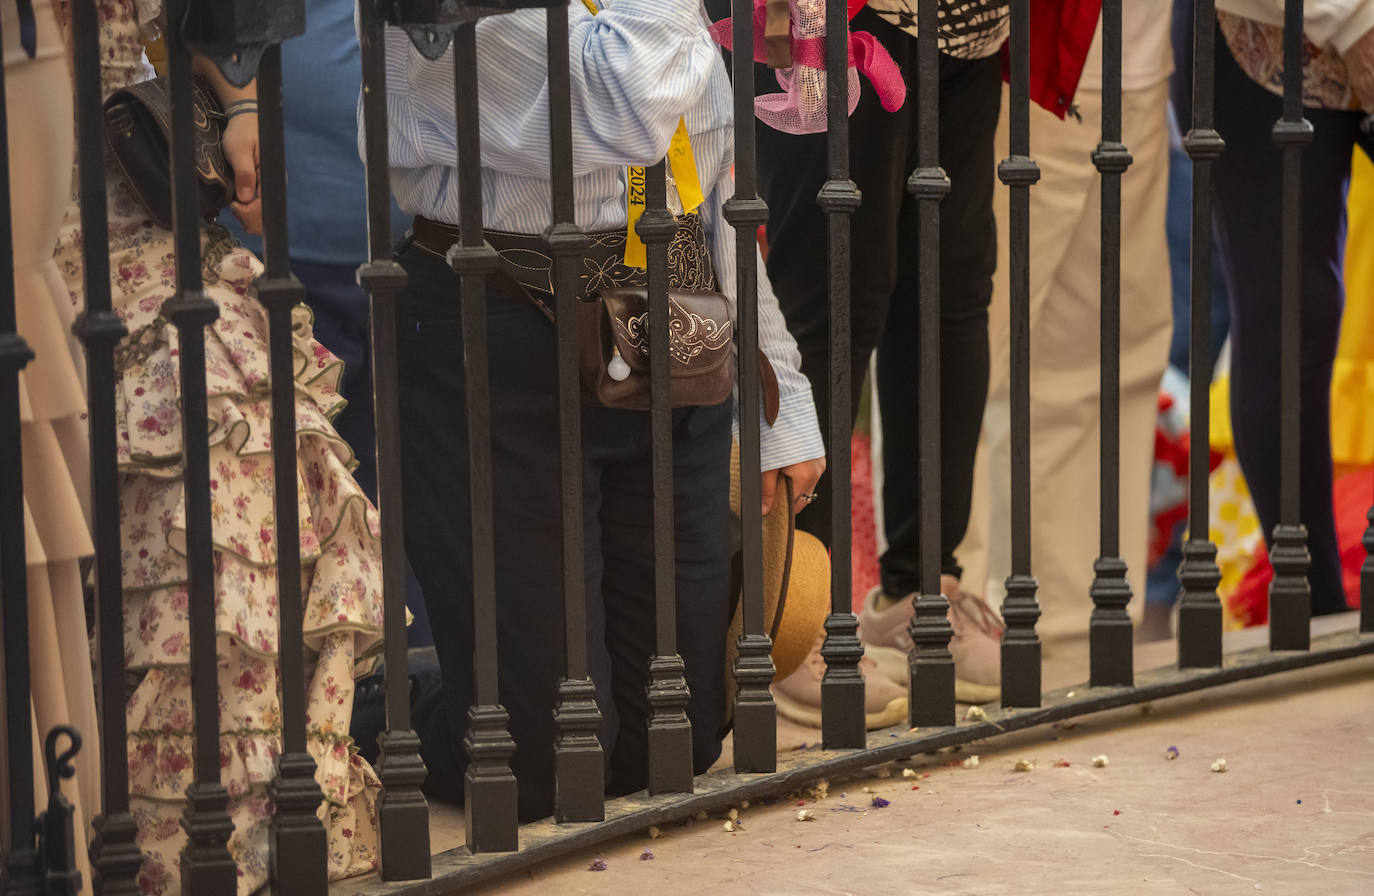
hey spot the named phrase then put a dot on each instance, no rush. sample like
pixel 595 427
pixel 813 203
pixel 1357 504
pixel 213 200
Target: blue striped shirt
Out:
pixel 637 68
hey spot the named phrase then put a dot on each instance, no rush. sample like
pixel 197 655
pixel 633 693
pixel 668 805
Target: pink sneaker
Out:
pixel 798 696
pixel 976 644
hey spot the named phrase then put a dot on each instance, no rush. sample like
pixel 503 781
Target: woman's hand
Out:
pixel 242 153
pixel 804 477
pixel 240 141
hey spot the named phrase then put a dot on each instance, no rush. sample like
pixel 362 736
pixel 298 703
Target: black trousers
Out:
pixel 1249 207
pixel 528 535
pixel 884 291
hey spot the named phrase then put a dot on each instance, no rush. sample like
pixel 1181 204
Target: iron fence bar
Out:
pixel 402 812
pixel 1367 577
pixel 1290 594
pixel 670 732
pixel 1110 633
pixel 931 664
pixel 20 859
pixel 842 687
pixel 489 785
pixel 721 790
pixel 207 869
pixel 1199 609
pixel 299 846
pixel 115 857
pixel 756 718
pixel 1020 609
pixel 579 761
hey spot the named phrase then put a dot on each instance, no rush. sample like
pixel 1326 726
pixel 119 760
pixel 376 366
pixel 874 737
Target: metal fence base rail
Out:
pixel 718 791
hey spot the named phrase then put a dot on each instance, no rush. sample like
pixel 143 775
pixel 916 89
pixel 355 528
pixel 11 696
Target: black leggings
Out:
pixel 885 294
pixel 1249 208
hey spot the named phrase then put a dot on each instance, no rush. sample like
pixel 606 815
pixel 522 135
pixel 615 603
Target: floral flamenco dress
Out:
pixel 341 573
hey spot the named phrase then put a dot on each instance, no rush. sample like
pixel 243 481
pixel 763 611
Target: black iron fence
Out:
pixel 245 37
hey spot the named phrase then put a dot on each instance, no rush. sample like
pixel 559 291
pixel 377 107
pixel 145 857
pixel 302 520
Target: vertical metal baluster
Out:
pixel 489 784
pixel 1367 578
pixel 402 811
pixel 1290 594
pixel 299 847
pixel 579 762
pixel 1199 610
pixel 115 857
pixel 756 717
pixel 1020 643
pixel 842 688
pixel 1110 632
pixel 207 869
pixel 20 859
pixel 670 733
pixel 931 664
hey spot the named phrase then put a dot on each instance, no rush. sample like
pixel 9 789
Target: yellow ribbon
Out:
pixel 681 162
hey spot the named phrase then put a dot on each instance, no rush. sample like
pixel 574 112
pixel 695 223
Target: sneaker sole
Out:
pixel 895 665
pixel 894 713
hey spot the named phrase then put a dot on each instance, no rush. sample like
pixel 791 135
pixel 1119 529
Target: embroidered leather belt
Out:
pixel 525 259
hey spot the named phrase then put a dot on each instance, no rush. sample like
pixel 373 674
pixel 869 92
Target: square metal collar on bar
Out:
pixel 430 23
pixel 234 33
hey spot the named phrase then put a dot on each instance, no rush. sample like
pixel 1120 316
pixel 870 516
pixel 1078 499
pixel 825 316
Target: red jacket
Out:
pixel 1061 31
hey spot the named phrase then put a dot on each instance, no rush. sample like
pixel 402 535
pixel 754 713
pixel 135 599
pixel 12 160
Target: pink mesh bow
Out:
pixel 801 107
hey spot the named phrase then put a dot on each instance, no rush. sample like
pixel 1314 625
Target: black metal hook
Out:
pixel 54 828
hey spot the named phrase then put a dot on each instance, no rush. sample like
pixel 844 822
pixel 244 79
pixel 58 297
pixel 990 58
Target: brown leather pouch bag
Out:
pixel 614 333
pixel 138 123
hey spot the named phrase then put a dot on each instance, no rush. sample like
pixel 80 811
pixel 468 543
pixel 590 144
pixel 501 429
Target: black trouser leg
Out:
pixel 529 571
pixel 971 93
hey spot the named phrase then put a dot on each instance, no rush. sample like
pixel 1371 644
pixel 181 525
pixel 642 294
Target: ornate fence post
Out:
pixel 1199 610
pixel 1020 643
pixel 1110 631
pixel 580 771
pixel 1290 594
pixel 403 813
pixel 756 717
pixel 115 858
pixel 842 687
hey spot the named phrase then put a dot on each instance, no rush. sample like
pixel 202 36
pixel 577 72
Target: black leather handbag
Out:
pixel 138 123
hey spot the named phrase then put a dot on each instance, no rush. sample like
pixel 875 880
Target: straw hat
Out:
pixel 796 584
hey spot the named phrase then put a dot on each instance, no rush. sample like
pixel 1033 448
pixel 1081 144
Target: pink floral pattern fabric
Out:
pixel 341 575
pixel 1258 49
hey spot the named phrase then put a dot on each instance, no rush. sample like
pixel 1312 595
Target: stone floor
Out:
pixel 1294 813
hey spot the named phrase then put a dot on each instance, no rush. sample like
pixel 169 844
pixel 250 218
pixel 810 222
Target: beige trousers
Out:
pixel 1065 300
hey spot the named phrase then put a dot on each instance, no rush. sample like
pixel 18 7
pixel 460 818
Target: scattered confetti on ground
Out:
pixel 971 762
pixel 869 790
pixel 975 714
pixel 1299 802
pixel 821 790
pixel 953 763
pixel 1100 761
pixel 1171 753
pixel 806 815
pixel 1024 765
pixel 647 855
pixel 908 773
pixel 733 815
pixel 1071 694
pixel 1061 763
pixel 918 787
pixel 598 864
pixel 1220 766
pixel 1116 811
pixel 730 827
pixel 880 803
pixel 654 833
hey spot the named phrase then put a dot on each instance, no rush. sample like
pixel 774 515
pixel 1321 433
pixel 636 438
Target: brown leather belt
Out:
pixel 525 271
pixel 525 259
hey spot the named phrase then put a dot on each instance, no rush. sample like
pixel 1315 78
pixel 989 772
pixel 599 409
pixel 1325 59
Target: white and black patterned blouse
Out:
pixel 968 29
